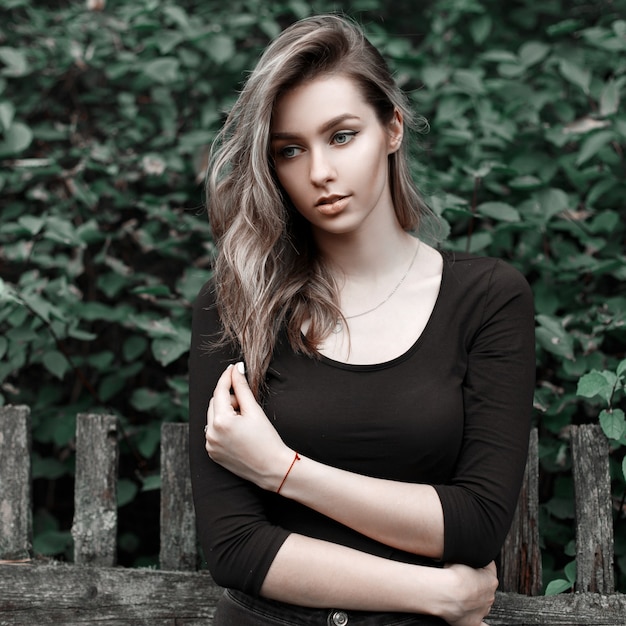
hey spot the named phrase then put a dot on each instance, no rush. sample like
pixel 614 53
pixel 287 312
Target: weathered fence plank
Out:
pixel 594 519
pixel 95 490
pixel 570 609
pixel 16 518
pixel 521 556
pixel 79 595
pixel 178 523
pixel 75 594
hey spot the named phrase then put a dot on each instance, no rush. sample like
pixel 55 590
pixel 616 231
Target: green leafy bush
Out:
pixel 105 119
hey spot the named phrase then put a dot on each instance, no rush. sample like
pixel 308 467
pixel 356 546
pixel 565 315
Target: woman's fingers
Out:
pixel 221 395
pixel 242 390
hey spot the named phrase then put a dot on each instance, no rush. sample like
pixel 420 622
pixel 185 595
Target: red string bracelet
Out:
pixel 295 458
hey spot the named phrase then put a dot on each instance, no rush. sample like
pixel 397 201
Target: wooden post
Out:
pixel 178 524
pixel 594 520
pixel 95 490
pixel 16 520
pixel 521 556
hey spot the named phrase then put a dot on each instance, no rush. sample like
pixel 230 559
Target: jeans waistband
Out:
pixel 274 612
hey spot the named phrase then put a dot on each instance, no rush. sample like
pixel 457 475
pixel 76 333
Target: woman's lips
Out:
pixel 332 206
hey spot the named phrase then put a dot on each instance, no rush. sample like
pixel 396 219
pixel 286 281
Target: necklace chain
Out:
pixel 339 326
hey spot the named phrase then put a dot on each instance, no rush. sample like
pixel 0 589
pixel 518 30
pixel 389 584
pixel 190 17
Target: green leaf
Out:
pixel 551 202
pixel 624 467
pixel 164 70
pixel 61 230
pixel 570 572
pixel 56 363
pixel 154 328
pixel 613 423
pixel 221 48
pixel 498 211
pixel 605 222
pixel 7 112
pixel 166 349
pixel 110 386
pixel 42 308
pixel 167 40
pixel 593 144
pixel 480 27
pixel 597 383
pixel 152 290
pixel 134 347
pixel 621 369
pixel 478 242
pixel 16 140
pixel 148 440
pixel 434 75
pixel 451 108
pixel 575 74
pixel 31 223
pixel 101 360
pixel 126 491
pixel 178 15
pixel 557 586
pixel 144 399
pixel 48 468
pixel 7 293
pixel 500 56
pixel 151 483
pixel 191 282
pixel 553 337
pixel 511 70
pixel 52 542
pixel 15 62
pixel 532 52
pixel 470 81
pixel 564 27
pixel 610 98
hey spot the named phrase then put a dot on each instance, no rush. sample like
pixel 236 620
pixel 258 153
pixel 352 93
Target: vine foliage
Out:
pixel 106 112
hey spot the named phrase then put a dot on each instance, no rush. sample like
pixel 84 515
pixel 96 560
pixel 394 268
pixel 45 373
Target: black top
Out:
pixel 453 411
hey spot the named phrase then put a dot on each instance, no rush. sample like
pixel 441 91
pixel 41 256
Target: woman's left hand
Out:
pixel 240 437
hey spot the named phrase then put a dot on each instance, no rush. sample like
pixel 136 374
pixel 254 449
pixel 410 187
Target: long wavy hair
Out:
pixel 268 275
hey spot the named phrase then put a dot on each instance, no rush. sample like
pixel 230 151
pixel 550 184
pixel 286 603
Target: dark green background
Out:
pixel 105 119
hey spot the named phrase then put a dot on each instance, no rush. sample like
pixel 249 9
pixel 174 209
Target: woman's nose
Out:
pixel 322 169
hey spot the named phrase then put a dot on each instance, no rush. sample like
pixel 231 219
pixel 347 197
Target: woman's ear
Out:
pixel 396 131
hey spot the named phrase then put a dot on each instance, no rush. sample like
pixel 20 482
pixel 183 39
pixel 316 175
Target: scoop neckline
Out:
pixel 364 367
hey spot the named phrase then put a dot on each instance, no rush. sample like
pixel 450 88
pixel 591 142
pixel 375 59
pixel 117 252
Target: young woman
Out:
pixel 366 466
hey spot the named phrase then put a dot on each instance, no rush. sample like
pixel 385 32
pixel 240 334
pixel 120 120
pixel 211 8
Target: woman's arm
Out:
pixel 315 573
pixel 239 437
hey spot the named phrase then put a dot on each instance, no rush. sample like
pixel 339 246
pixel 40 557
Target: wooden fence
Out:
pixel 93 590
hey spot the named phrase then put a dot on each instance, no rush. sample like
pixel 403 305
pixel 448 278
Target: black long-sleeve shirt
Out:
pixel 453 411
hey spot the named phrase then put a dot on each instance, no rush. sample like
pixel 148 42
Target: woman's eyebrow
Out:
pixel 325 127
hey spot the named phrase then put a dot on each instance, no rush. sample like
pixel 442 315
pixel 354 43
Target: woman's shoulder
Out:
pixel 204 308
pixel 477 281
pixel 482 268
pixel 206 298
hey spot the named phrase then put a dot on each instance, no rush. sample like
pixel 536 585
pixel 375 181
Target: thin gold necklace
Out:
pixel 339 325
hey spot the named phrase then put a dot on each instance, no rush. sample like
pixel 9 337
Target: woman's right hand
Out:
pixel 469 595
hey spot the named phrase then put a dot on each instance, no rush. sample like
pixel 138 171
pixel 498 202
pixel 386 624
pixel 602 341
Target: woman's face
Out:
pixel 331 155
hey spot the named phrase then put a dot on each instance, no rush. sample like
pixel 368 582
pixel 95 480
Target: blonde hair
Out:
pixel 268 276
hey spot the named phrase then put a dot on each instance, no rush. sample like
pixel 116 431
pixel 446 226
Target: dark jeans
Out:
pixel 238 609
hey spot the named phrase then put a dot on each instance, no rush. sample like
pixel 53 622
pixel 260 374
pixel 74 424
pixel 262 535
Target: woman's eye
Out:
pixel 343 137
pixel 288 152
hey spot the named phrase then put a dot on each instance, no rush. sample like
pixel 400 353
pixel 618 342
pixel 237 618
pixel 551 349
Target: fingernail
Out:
pixel 241 368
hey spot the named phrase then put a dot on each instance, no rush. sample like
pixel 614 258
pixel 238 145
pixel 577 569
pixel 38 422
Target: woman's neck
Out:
pixel 358 259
